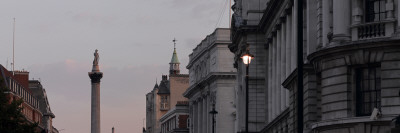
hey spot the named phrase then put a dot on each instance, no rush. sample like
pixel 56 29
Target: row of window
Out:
pixel 19 90
pixel 169 125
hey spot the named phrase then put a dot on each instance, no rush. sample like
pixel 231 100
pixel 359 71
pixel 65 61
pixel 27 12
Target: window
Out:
pixel 374 10
pixel 164 102
pixel 368 89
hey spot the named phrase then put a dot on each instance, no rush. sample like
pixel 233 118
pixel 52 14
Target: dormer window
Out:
pixel 375 10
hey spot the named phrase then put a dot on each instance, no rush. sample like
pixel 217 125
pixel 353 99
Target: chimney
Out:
pixel 112 130
pixel 22 77
pixel 164 77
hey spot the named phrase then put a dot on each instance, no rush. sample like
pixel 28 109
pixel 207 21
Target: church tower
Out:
pixel 174 64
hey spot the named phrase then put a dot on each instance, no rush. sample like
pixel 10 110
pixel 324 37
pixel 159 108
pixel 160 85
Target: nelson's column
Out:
pixel 95 77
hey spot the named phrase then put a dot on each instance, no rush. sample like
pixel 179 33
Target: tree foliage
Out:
pixel 11 118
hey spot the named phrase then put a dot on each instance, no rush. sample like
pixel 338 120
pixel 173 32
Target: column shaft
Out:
pixel 398 16
pixel 294 38
pixel 273 79
pixel 341 20
pixel 288 44
pixel 288 54
pixel 283 68
pixel 270 80
pixel 279 74
pixel 195 115
pixel 325 22
pixel 205 112
pixel 95 122
pixel 200 104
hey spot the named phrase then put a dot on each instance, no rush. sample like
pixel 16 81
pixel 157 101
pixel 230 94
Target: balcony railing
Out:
pixel 373 30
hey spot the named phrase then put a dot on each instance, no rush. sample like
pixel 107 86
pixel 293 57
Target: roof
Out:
pixel 174 59
pixel 164 87
pixel 155 86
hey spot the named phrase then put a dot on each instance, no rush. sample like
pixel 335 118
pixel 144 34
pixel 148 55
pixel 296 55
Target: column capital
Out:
pixel 95 76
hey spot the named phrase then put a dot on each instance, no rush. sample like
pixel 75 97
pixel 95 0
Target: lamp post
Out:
pixel 300 123
pixel 213 112
pixel 246 57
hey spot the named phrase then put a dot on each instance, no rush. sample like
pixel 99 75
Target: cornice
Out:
pixel 238 33
pixel 206 50
pixel 308 68
pixel 349 47
pixel 279 118
pixel 274 15
pixel 193 89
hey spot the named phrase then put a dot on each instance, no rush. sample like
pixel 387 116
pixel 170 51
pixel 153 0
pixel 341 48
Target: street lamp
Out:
pixel 213 112
pixel 246 57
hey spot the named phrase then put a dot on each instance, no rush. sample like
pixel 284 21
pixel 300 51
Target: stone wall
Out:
pixel 178 85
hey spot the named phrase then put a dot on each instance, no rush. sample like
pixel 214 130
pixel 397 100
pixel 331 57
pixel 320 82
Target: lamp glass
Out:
pixel 247 59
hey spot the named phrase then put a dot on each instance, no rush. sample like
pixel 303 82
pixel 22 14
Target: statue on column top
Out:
pixel 96 58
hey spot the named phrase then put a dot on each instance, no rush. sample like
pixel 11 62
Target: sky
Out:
pixel 55 41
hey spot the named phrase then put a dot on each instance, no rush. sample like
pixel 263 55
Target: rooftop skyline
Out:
pixel 55 40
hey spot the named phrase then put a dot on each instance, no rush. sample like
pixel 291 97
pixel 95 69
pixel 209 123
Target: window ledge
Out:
pixel 350 120
pixel 371 23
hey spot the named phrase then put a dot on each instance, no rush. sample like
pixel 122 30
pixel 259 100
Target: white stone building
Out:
pixel 351 64
pixel 212 81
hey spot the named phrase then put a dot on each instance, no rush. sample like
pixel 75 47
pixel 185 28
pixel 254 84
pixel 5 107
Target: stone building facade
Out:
pixel 244 31
pixel 35 104
pixel 165 95
pixel 40 93
pixel 212 82
pixel 351 64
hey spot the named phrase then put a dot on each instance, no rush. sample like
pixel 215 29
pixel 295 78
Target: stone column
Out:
pixel 288 42
pixel 200 116
pixel 325 22
pixel 194 120
pixel 312 29
pixel 205 112
pixel 293 60
pixel 95 77
pixel 279 74
pixel 398 16
pixel 273 89
pixel 341 20
pixel 209 120
pixel 283 65
pixel 288 51
pixel 270 79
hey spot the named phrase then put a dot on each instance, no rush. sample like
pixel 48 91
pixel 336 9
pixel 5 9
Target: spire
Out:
pixel 174 58
pixel 155 86
pixel 174 64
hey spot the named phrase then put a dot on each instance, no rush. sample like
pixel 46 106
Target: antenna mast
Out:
pixel 7 64
pixel 13 64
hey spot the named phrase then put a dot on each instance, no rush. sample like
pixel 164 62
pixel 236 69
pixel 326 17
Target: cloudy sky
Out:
pixel 55 41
